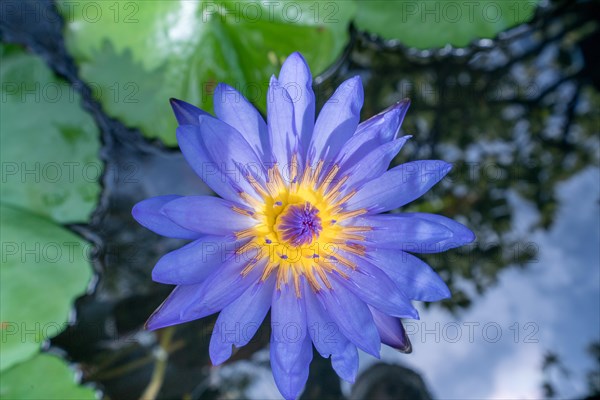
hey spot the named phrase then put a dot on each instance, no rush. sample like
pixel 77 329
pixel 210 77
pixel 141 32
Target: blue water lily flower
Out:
pixel 299 228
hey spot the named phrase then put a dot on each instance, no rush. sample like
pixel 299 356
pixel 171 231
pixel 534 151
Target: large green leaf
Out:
pixel 42 377
pixel 435 23
pixel 44 268
pixel 136 55
pixel 49 145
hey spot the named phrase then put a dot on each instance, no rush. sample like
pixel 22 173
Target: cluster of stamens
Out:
pixel 301 226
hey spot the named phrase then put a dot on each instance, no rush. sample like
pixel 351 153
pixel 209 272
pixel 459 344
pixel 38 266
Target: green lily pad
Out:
pixel 44 268
pixel 136 55
pixel 432 24
pixel 50 170
pixel 49 145
pixel 42 377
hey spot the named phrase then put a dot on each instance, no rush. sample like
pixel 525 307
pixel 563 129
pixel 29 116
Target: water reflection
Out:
pixel 516 116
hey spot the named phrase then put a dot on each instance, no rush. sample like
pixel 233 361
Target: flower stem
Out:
pixel 161 355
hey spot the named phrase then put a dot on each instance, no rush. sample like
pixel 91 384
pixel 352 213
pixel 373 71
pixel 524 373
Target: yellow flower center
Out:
pixel 300 226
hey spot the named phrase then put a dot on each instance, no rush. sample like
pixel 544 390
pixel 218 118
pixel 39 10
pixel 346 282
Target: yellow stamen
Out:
pixel 242 211
pixel 312 280
pixel 357 228
pixel 245 233
pixel 246 247
pixel 250 200
pixel 315 174
pixel 311 199
pixel 351 214
pixel 344 199
pixel 355 248
pixel 323 277
pixel 332 192
pixel 349 236
pixel 278 178
pixel 305 175
pixel 257 187
pixel 296 277
pixel 330 175
pixel 249 267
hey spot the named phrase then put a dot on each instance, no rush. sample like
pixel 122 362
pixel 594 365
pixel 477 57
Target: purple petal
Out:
pixel 186 113
pixel 191 144
pixel 399 186
pixel 147 213
pixel 461 235
pixel 386 124
pixel 288 316
pixel 372 133
pixel 207 214
pixel 239 321
pixel 192 263
pixel 233 108
pixel 357 325
pixel 291 349
pixel 337 120
pixel 296 78
pixel 391 331
pixel 169 312
pixel 291 378
pixel 324 332
pixel 375 163
pixel 413 276
pixel 328 338
pixel 345 363
pixel 227 147
pixel 221 156
pixel 280 117
pixel 402 231
pixel 223 286
pixel 375 288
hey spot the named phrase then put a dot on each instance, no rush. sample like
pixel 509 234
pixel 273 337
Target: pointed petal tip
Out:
pixel 447 167
pixel 136 212
pixel 151 324
pixel 412 314
pixel 296 59
pixel 356 80
pixel 377 354
pixel 221 87
pixel 405 102
pixel 147 326
pixel 147 214
pixel 156 277
pixel 415 315
pixel 407 348
pixel 177 105
pixel 470 236
pixel 142 208
pixel 219 353
pixel 372 349
pixel 296 54
pixel 444 293
pixel 185 113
